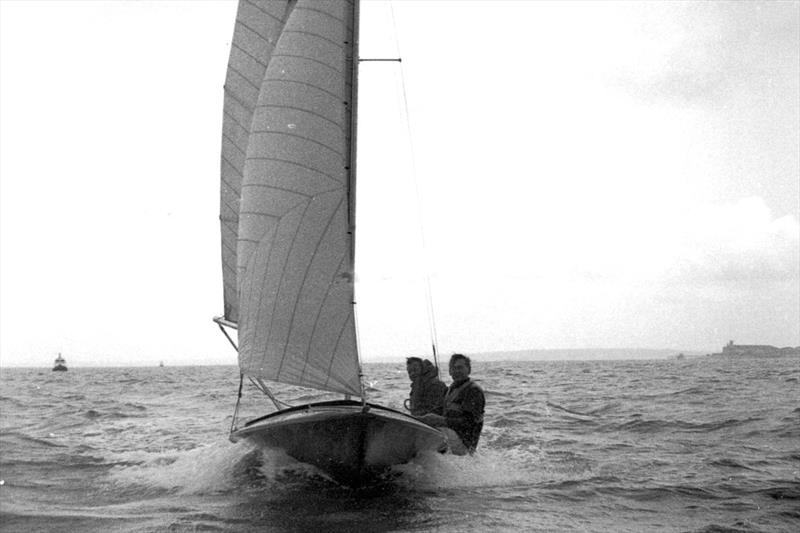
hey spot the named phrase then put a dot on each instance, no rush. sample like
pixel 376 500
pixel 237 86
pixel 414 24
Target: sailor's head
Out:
pixel 414 367
pixel 460 366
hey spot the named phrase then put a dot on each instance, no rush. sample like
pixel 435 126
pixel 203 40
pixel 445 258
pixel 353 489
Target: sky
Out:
pixel 565 175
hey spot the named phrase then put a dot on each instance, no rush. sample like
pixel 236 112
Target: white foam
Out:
pixel 210 468
pixel 486 468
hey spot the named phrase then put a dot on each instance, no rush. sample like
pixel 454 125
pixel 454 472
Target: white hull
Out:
pixel 351 444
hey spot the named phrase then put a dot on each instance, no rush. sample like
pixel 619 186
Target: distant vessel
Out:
pixel 60 364
pixel 161 363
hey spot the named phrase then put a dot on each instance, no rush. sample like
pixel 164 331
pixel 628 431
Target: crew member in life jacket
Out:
pixel 464 404
pixel 427 390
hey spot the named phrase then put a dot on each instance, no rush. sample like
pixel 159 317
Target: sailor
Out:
pixel 427 390
pixel 464 405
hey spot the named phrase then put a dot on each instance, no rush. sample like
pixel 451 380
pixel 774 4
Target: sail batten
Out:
pixel 285 199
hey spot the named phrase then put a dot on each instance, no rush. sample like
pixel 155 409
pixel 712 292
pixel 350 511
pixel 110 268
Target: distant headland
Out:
pixel 757 350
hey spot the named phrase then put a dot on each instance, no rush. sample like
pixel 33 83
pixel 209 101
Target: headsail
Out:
pixel 258 25
pixel 286 192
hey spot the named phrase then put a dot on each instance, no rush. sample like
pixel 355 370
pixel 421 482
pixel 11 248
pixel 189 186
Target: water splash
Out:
pixel 486 468
pixel 206 469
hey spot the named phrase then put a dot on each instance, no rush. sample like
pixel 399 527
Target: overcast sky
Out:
pixel 589 175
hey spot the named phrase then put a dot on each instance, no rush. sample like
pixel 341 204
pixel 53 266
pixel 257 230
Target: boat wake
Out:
pixel 225 467
pixel 203 470
pixel 486 468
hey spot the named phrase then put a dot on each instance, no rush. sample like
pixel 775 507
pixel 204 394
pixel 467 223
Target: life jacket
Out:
pixel 452 400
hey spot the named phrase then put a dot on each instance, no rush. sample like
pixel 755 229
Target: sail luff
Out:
pixel 352 174
pixel 294 248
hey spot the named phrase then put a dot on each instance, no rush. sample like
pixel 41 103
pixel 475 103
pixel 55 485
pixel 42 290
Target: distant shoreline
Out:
pixel 565 354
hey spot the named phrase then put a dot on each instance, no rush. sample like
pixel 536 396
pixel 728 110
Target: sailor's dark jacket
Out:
pixel 464 405
pixel 427 393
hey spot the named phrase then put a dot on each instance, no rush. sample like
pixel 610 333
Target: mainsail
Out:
pixel 286 192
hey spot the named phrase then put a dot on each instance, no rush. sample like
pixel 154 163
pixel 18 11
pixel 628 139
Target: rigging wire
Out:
pixel 420 214
pixel 259 384
pixel 238 401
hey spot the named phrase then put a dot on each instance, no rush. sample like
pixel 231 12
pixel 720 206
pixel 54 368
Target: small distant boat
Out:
pixel 161 363
pixel 60 364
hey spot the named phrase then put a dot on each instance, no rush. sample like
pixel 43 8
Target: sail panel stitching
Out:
pixel 295 163
pixel 234 70
pixel 235 169
pixel 313 60
pixel 259 8
pixel 336 346
pixel 232 118
pixel 338 45
pixel 248 54
pixel 301 137
pixel 334 17
pixel 283 276
pixel 233 96
pixel 319 314
pixel 338 97
pixel 307 269
pixel 313 113
pixel 233 143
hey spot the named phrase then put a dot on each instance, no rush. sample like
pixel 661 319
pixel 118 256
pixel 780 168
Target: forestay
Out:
pixel 286 202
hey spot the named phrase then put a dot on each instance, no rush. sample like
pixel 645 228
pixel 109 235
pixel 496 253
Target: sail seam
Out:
pixel 226 245
pixel 232 270
pixel 233 192
pixel 305 275
pixel 270 15
pixel 256 214
pixel 319 313
pixel 312 169
pixel 336 346
pixel 338 97
pixel 292 191
pixel 301 137
pixel 229 265
pixel 231 209
pixel 233 142
pixel 235 120
pixel 264 38
pixel 334 17
pixel 312 34
pixel 313 60
pixel 229 93
pixel 253 296
pixel 275 188
pixel 235 169
pixel 312 113
pixel 283 274
pixel 248 54
pixel 234 70
pixel 251 241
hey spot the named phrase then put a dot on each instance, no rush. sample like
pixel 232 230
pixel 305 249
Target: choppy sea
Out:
pixel 708 444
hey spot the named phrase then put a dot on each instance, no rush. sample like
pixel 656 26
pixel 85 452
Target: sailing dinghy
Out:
pixel 287 216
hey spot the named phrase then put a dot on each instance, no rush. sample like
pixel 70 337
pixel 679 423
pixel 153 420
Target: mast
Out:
pixel 351 181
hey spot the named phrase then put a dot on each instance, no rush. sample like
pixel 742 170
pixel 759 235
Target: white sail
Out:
pixel 294 249
pixel 258 25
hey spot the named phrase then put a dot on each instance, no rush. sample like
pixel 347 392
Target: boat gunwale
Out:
pixel 365 407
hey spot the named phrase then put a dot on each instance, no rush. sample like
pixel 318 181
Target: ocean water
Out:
pixel 708 444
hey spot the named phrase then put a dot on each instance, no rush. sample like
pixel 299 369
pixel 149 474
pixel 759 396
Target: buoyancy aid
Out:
pixel 467 423
pixel 452 399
